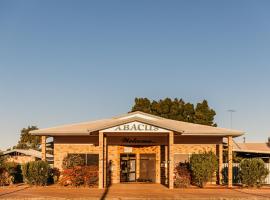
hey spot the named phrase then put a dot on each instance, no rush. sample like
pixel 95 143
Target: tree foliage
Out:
pixel 177 109
pixel 27 140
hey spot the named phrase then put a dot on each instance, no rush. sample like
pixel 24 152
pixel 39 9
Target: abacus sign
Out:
pixel 135 127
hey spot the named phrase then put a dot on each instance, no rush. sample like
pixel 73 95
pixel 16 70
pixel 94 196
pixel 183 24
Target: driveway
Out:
pixel 132 191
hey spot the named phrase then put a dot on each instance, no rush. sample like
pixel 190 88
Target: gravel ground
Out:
pixel 132 191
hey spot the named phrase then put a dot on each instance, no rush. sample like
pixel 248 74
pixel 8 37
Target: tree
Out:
pixel 27 140
pixel 204 114
pixel 177 109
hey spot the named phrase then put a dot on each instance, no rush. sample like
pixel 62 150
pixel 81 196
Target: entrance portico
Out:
pixel 138 146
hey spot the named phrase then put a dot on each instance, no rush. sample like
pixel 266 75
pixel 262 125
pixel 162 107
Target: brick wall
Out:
pixel 63 146
pixel 61 150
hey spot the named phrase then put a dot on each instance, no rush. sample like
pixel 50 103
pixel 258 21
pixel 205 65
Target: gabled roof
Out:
pixel 183 128
pixel 27 152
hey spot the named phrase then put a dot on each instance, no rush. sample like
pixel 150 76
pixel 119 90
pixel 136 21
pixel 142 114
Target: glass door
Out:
pixel 128 167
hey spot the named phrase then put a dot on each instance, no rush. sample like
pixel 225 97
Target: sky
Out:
pixel 71 61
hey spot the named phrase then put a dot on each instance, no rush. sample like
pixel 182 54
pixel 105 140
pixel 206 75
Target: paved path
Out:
pixel 131 191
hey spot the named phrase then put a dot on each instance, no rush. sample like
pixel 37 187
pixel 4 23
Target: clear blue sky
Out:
pixel 73 61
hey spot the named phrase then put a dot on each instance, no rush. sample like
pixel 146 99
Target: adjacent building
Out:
pixel 23 156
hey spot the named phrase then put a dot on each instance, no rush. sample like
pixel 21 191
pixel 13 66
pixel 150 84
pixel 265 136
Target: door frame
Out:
pixel 150 156
pixel 135 172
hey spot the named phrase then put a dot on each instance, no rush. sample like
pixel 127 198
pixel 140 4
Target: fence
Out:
pixel 236 172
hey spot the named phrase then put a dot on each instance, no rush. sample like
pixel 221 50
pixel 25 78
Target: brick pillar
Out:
pixel 158 164
pixel 43 148
pixel 171 159
pixel 166 165
pixel 105 160
pixel 101 163
pixel 137 165
pixel 230 175
pixel 220 163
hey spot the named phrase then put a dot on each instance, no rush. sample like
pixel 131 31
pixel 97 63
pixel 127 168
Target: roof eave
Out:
pixel 251 151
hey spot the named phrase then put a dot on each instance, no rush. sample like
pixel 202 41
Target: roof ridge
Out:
pixel 137 112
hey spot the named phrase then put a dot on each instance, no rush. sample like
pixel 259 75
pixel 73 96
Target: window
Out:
pixel 89 159
pixel 92 159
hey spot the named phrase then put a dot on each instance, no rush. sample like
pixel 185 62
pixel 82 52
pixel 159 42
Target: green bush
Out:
pixel 15 171
pixel 5 177
pixel 182 176
pixel 10 172
pixel 54 175
pixel 2 160
pixel 36 172
pixel 203 166
pixel 236 178
pixel 72 160
pixel 252 172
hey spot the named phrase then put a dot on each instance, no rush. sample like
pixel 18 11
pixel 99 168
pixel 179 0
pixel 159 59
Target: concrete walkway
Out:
pixel 131 191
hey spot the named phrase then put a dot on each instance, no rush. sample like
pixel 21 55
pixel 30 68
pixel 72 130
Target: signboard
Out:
pixel 135 127
pixel 137 140
pixel 128 149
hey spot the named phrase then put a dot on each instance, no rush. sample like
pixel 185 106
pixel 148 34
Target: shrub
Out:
pixel 182 177
pixel 2 160
pixel 15 171
pixel 54 175
pixel 203 166
pixel 36 172
pixel 5 177
pixel 252 172
pixel 10 172
pixel 80 175
pixel 72 160
pixel 236 178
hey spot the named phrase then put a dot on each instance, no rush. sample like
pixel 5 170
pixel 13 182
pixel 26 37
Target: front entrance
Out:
pixel 148 167
pixel 127 168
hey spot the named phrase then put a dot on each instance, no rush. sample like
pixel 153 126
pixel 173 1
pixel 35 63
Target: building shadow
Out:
pixel 108 181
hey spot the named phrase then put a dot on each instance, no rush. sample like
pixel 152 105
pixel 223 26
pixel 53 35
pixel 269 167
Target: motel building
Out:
pixel 137 146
